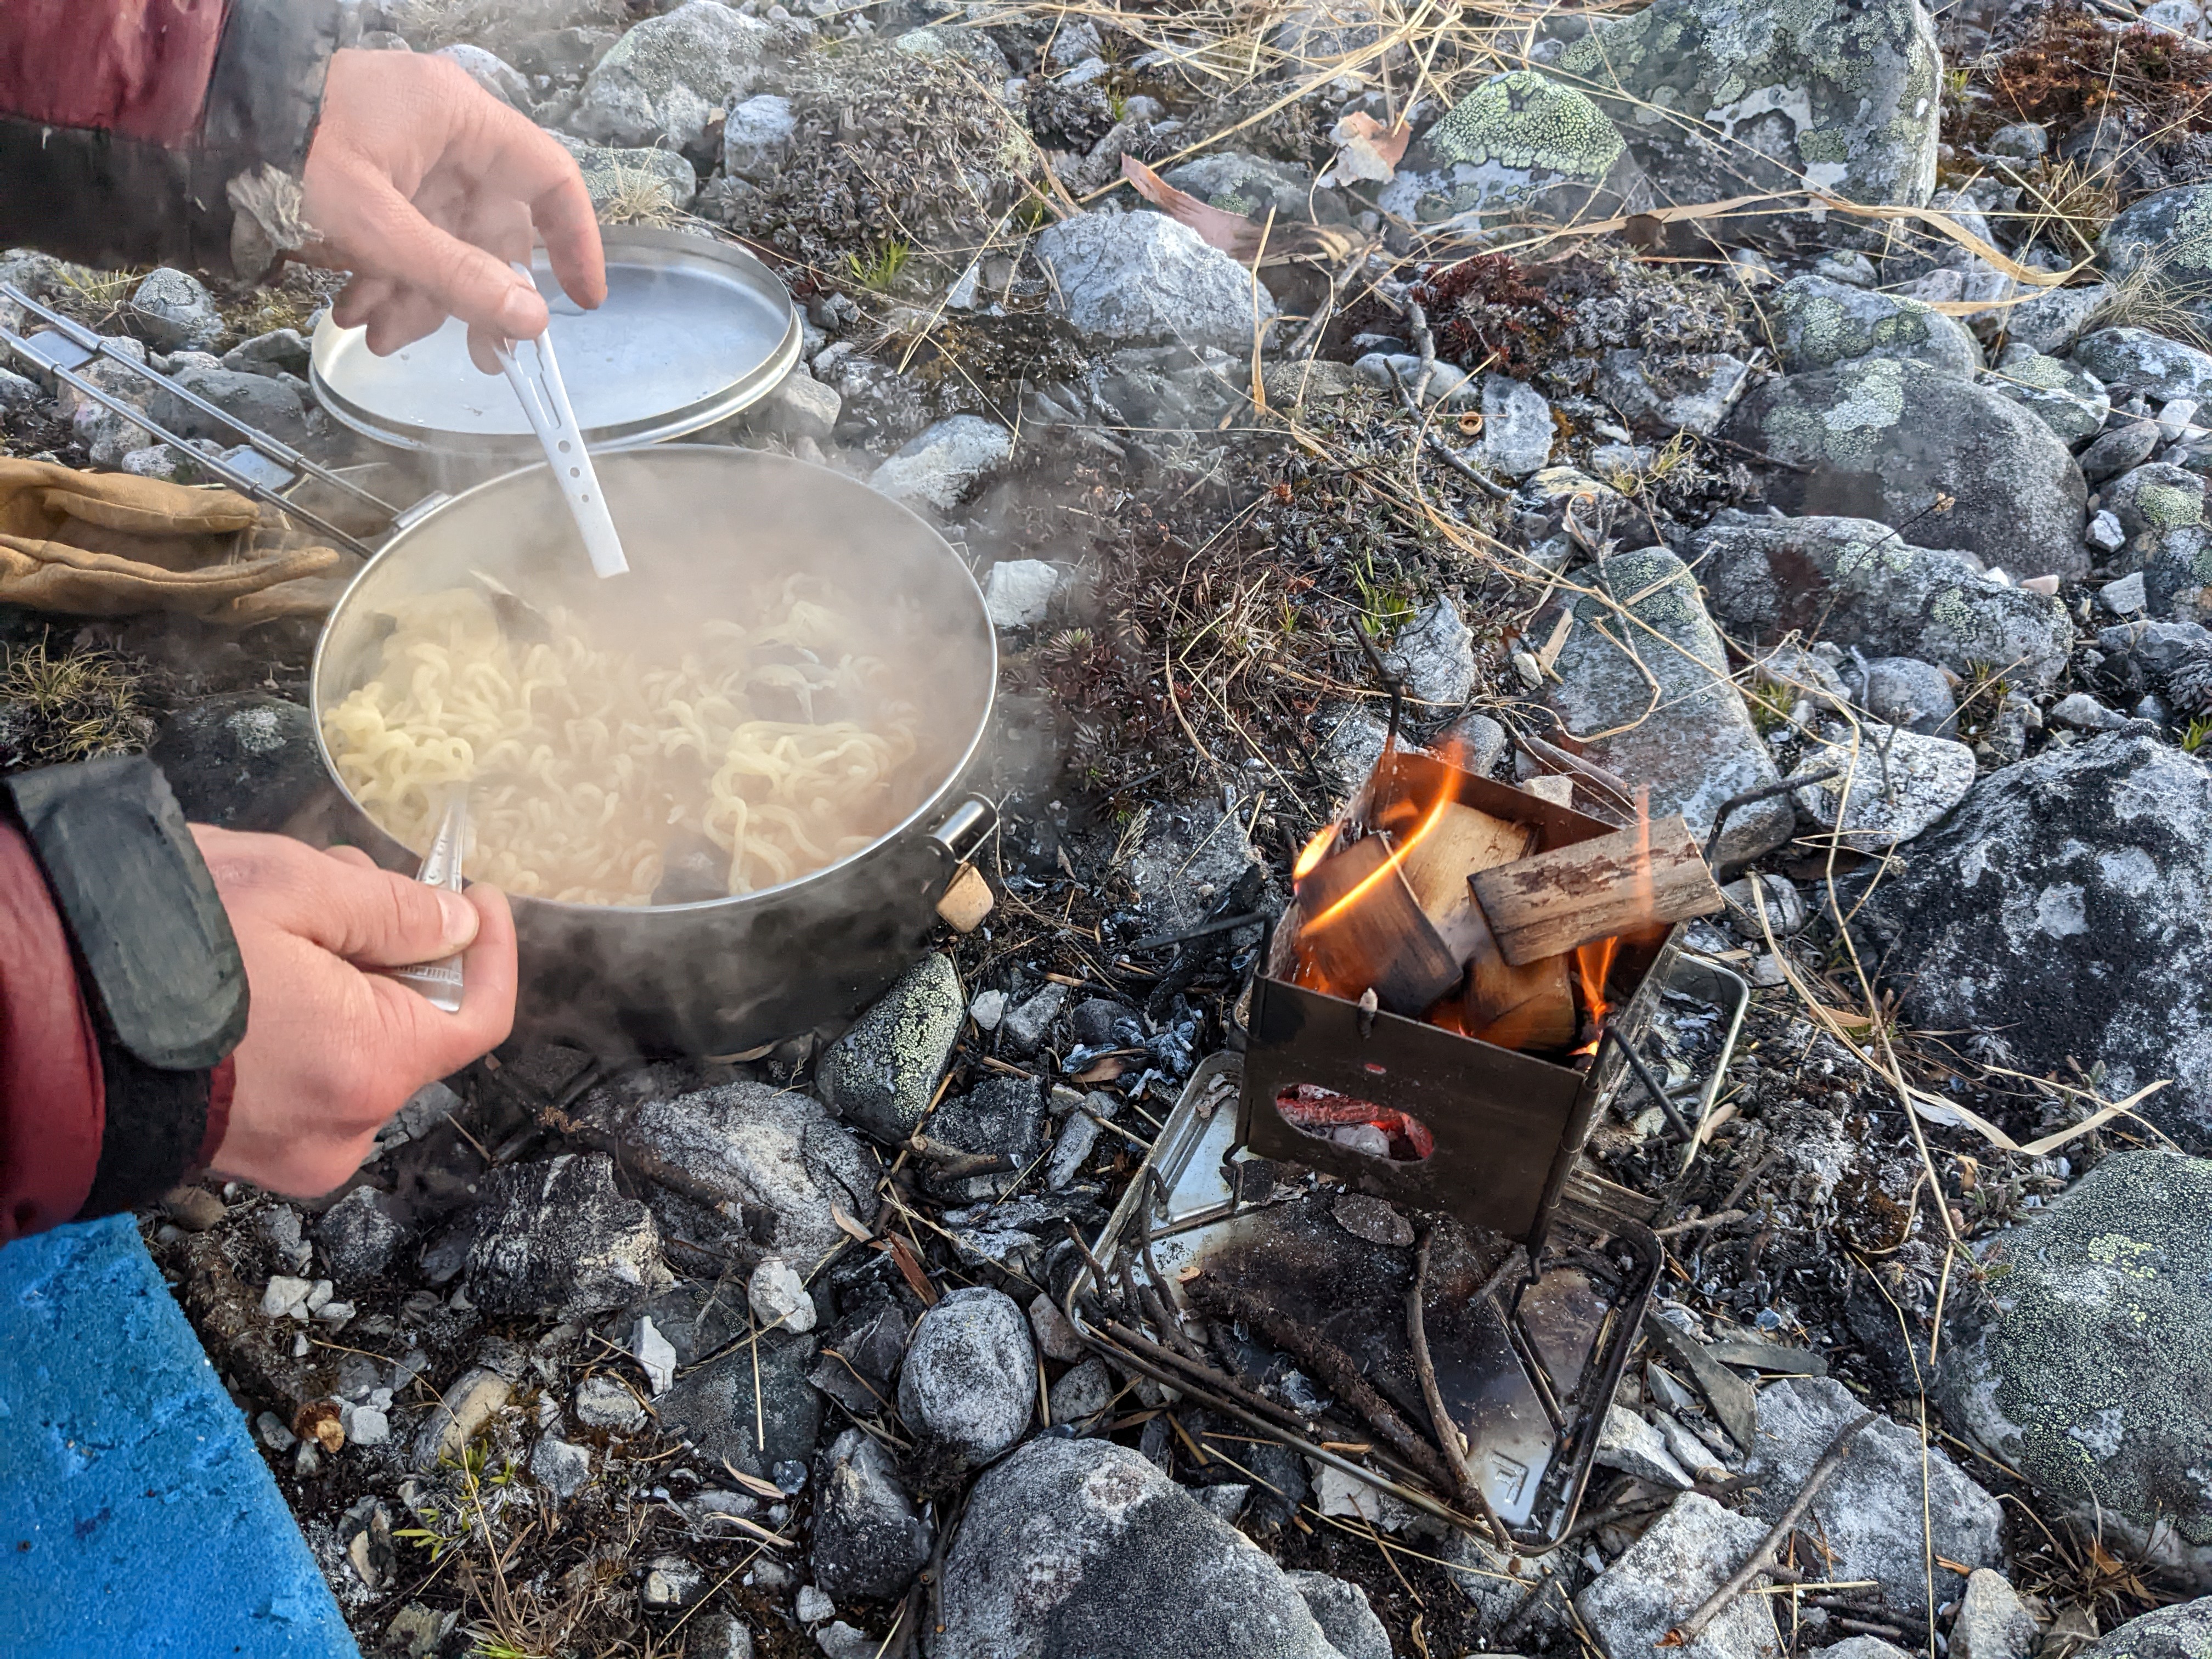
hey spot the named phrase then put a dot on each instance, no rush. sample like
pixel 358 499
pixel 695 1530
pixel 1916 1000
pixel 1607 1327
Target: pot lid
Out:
pixel 692 332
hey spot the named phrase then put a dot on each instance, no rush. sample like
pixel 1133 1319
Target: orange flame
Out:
pixel 1592 962
pixel 1445 796
pixel 1314 849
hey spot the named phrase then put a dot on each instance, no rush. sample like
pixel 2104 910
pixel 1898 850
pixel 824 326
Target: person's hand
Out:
pixel 331 1052
pixel 427 188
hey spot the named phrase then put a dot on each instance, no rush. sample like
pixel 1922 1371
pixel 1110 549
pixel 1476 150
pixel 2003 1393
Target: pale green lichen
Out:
pixel 1527 122
pixel 2170 507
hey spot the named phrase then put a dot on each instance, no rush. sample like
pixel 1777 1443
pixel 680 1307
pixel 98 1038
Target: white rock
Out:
pixel 1144 277
pixel 365 1425
pixel 779 1296
pixel 1632 1446
pixel 1335 1492
pixel 1018 594
pixel 1692 1453
pixel 1682 1558
pixel 813 1605
pixel 492 73
pixel 655 1353
pixel 989 1007
pixel 1900 782
pixel 2105 532
pixel 602 1402
pixel 800 407
pixel 1517 425
pixel 2125 597
pixel 944 463
pixel 1993 1622
pixel 756 138
pixel 1434 654
pixel 560 1466
pixel 2081 710
pixel 2177 419
pixel 664 80
pixel 284 1294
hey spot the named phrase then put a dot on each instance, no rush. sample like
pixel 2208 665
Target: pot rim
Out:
pixel 934 803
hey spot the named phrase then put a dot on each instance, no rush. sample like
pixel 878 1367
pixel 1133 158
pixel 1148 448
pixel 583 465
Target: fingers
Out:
pixel 434 1043
pixel 530 166
pixel 462 280
pixel 365 916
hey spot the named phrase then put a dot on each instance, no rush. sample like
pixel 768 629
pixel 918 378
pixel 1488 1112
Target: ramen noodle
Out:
pixel 584 764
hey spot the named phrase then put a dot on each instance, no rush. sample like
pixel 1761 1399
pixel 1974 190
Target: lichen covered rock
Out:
pixel 2062 914
pixel 1520 147
pixel 2168 235
pixel 1910 444
pixel 1143 277
pixel 666 78
pixel 1819 324
pixel 1720 99
pixel 2066 398
pixel 2078 1356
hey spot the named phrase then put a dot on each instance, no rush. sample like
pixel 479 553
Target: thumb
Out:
pixel 374 918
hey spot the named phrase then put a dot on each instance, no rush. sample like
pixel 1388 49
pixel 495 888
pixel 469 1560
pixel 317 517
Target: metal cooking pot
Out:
pixel 700 523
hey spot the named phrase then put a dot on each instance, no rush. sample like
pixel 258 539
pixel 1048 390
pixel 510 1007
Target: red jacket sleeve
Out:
pixel 124 123
pixel 52 1110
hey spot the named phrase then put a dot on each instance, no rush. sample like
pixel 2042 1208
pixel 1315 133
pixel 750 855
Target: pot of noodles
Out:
pixel 723 791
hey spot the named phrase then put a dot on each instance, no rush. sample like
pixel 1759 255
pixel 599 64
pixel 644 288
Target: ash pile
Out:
pixel 1775 435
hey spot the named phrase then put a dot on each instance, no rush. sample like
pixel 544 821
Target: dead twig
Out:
pixel 1822 1472
pixel 1455 1445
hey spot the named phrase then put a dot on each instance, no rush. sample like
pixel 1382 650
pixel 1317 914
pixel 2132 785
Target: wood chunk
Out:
pixel 1527 1007
pixel 1379 940
pixel 1463 840
pixel 1645 874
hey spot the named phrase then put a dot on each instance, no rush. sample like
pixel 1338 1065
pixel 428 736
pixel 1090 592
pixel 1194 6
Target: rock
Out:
pixel 655 1355
pixel 2181 17
pixel 2168 234
pixel 867 1344
pixel 775 1153
pixel 2051 321
pixel 492 73
pixel 1907 692
pixel 266 404
pixel 2174 1633
pixel 2135 360
pixel 1893 785
pixel 605 1402
pixel 1499 1585
pixel 1819 324
pixel 1520 146
pixel 839 1640
pixel 882 1074
pixel 19 393
pixel 1004 1115
pixel 242 761
pixel 946 463
pixel 193 1208
pixel 559 1238
pixel 1992 1621
pixel 969 1382
pixel 718 1636
pixel 360 1234
pixel 1516 427
pixel 779 1298
pixel 1451 387
pixel 426 1108
pixel 1342 1611
pixel 562 1468
pixel 1699 747
pixel 2072 402
pixel 2160 509
pixel 2084 713
pixel 467 1405
pixel 1248 185
pixel 1083 1391
pixel 1843 98
pixel 2078 1356
pixel 1869 1514
pixel 1887 438
pixel 813 1605
pixel 666 77
pixel 799 407
pixel 2063 913
pixel 1685 1555
pixel 1144 277
pixel 283 1294
pixel 1861 1647
pixel 988 1008
pixel 633 182
pixel 1659 395
pixel 1019 593
pixel 671 1583
pixel 713 1407
pixel 1783 904
pixel 2128 444
pixel 868 1540
pixel 1083 1546
pixel 1433 656
pixel 1860 584
pixel 1632 1446
pixel 172 310
pixel 1189 856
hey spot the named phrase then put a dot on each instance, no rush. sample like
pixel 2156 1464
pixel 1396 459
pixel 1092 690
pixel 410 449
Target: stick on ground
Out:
pixel 1447 1432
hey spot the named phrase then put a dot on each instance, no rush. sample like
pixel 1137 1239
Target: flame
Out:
pixel 1314 850
pixel 1381 871
pixel 1592 962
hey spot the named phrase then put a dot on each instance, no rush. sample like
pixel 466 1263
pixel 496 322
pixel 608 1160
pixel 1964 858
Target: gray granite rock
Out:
pixel 1630 1445
pixel 1992 1622
pixel 1819 324
pixel 1143 277
pixel 1434 654
pixel 1844 98
pixel 558 1237
pixel 2063 913
pixel 172 310
pixel 2078 1355
pixel 1892 784
pixel 2052 320
pixel 358 1234
pixel 1870 1515
pixel 1660 395
pixel 1519 147
pixel 1083 1546
pixel 604 1402
pixel 2122 445
pixel 2183 1631
pixel 1083 1391
pixel 775 1154
pixel 1237 181
pixel 2166 235
pixel 262 402
pixel 492 72
pixel 1682 1557
pixel 969 1383
pixel 882 1074
pixel 869 1542
pixel 1697 747
pixel 2161 510
pixel 1019 593
pixel 243 760
pixel 664 80
pixel 714 1407
pixel 1890 439
pixel 945 462
pixel 1517 432
pixel 1341 1609
pixel 756 138
pixel 633 177
pixel 563 1469
pixel 1907 692
pixel 2069 399
pixel 2132 360
pixel 280 351
pixel 1859 583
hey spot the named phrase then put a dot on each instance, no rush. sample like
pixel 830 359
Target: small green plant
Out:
pixel 1769 703
pixel 880 271
pixel 1117 106
pixel 1384 604
pixel 2199 733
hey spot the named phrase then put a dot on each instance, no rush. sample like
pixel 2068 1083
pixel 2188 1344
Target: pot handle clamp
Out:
pixel 967 898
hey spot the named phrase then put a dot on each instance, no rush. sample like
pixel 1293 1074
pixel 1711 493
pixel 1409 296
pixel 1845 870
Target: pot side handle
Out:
pixel 967 898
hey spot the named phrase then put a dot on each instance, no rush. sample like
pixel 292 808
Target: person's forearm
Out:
pixel 126 127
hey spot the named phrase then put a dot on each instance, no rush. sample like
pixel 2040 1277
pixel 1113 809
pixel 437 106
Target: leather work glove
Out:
pixel 111 543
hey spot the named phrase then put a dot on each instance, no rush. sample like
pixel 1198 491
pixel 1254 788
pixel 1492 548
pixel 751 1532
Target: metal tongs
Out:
pixel 439 983
pixel 535 375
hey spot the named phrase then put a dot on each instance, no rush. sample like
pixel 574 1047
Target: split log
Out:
pixel 1461 841
pixel 1359 929
pixel 1647 874
pixel 1530 1006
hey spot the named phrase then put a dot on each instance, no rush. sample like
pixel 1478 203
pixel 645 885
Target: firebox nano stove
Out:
pixel 1386 1245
